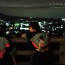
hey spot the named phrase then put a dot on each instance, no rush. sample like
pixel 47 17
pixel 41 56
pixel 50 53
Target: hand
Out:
pixel 38 49
pixel 23 35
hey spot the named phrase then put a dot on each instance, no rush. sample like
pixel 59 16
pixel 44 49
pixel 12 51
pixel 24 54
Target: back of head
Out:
pixel 35 26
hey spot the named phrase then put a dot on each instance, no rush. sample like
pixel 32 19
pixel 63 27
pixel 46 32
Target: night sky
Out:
pixel 33 8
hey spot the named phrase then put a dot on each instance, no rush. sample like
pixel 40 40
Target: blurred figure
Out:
pixel 38 42
pixel 5 56
pixel 35 35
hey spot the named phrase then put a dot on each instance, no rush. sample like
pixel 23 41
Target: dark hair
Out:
pixel 35 26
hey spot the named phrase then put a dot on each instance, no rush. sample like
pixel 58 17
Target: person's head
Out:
pixel 34 27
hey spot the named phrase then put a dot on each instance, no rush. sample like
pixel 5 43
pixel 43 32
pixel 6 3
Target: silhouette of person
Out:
pixel 38 42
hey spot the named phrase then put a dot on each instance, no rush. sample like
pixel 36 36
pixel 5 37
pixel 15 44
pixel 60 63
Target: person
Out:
pixel 5 57
pixel 38 43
